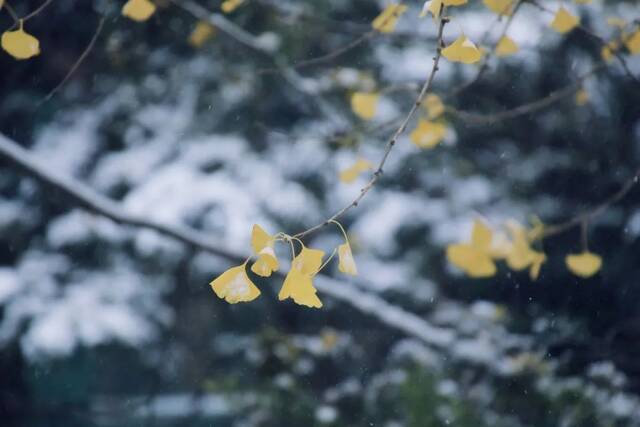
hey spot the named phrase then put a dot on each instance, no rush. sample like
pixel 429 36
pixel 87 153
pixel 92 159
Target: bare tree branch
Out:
pixel 223 24
pixel 584 218
pixel 474 118
pixel 378 172
pixel 85 197
pixel 76 64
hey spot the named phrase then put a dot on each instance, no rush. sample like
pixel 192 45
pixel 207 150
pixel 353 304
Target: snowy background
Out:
pixel 104 324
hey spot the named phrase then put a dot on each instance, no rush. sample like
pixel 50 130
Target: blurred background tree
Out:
pixel 107 324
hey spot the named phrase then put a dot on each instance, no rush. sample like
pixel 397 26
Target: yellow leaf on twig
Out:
pixel 138 10
pixel 387 20
pixel 563 22
pixel 462 50
pixel 229 6
pixel 202 33
pixel 428 134
pixel 364 104
pixel 235 286
pixel 506 46
pixel 20 44
pixel 585 264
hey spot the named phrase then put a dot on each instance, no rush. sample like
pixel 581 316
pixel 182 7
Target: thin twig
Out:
pixel 11 12
pixel 336 53
pixel 76 64
pixel 586 217
pixel 601 40
pixel 330 56
pixel 289 74
pixel 530 107
pixel 223 24
pixel 42 7
pixel 378 172
pixel 85 197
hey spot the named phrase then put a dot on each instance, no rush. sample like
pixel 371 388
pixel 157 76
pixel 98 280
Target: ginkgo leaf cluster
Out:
pixel 235 285
pixel 477 257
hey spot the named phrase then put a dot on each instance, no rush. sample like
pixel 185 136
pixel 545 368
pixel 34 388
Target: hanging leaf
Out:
pixel 520 255
pixel 614 21
pixel 353 172
pixel 435 6
pixel 387 20
pixel 229 6
pixel 582 97
pixel 428 134
pixel 262 244
pixel 434 106
pixel 364 104
pixel 298 284
pixel 346 263
pixel 633 43
pixel 506 46
pixel 299 287
pixel 585 264
pixel 609 50
pixel 563 22
pixel 501 7
pixel 474 258
pixel 234 286
pixel 462 50
pixel 138 10
pixel 202 33
pixel 20 44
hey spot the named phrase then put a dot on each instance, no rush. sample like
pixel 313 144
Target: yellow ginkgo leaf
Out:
pixel 585 264
pixel 428 134
pixel 138 10
pixel 481 235
pixel 520 254
pixel 474 258
pixel 266 263
pixel 474 263
pixel 299 287
pixel 350 174
pixel 364 104
pixel 347 264
pixel 387 20
pixel 632 43
pixel 229 6
pixel 260 239
pixel 20 44
pixel 536 263
pixel 434 106
pixel 298 283
pixel 235 286
pixel 262 245
pixel 501 7
pixel 536 232
pixel 462 50
pixel 614 21
pixel 506 46
pixel 582 97
pixel 434 6
pixel 609 50
pixel 202 33
pixel 308 261
pixel 563 22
